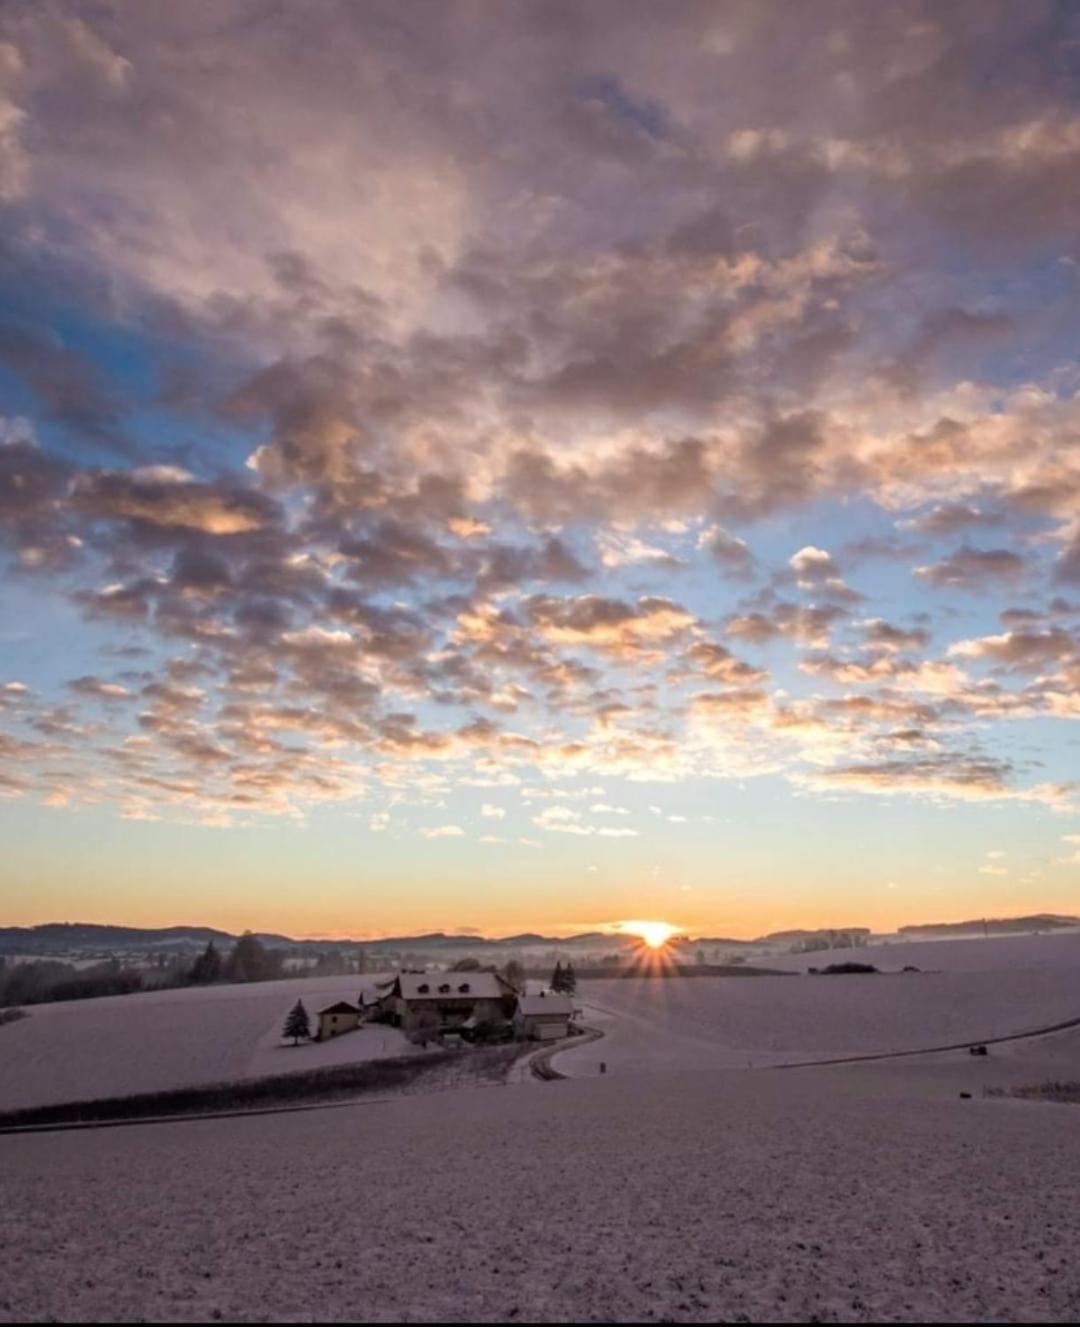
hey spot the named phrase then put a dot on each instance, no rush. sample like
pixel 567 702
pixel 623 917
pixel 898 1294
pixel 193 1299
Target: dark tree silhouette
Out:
pixel 207 968
pixel 250 960
pixel 513 972
pixel 297 1025
pixel 556 982
pixel 569 978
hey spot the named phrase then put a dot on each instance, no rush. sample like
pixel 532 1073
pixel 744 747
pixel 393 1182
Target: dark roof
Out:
pixel 342 1007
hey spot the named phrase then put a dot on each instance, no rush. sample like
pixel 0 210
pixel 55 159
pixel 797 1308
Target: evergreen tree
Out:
pixel 297 1024
pixel 207 967
pixel 557 977
pixel 250 960
pixel 569 979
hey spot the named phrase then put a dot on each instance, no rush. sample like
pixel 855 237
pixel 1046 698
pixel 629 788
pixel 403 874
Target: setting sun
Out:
pixel 655 934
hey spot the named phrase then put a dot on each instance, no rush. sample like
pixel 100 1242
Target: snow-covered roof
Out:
pixel 546 1002
pixel 452 986
pixel 342 1007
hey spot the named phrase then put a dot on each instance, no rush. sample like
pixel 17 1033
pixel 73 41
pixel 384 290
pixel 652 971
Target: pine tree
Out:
pixel 250 960
pixel 569 979
pixel 297 1024
pixel 557 976
pixel 207 967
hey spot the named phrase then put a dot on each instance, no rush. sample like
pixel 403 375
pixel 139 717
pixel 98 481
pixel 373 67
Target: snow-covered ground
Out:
pixel 968 990
pixel 975 954
pixel 855 1192
pixel 978 989
pixel 864 1192
pixel 164 1039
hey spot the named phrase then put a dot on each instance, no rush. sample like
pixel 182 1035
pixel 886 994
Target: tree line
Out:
pixel 49 979
pixel 44 981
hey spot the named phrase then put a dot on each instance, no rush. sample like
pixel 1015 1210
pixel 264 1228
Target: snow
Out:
pixel 659 1025
pixel 158 1040
pixel 946 955
pixel 669 1188
pixel 858 1193
pixel 164 1039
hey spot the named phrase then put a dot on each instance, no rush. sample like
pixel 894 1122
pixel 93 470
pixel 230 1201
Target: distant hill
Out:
pixel 825 932
pixel 64 937
pixel 56 937
pixel 59 938
pixel 1042 921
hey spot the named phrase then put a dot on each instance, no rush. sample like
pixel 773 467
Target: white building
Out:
pixel 544 1017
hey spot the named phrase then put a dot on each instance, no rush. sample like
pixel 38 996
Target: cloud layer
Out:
pixel 421 397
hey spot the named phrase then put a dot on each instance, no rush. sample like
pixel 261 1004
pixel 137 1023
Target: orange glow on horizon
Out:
pixel 655 934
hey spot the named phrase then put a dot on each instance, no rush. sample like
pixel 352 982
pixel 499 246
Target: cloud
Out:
pixel 949 519
pixel 1019 649
pixel 881 635
pixel 98 689
pixel 66 382
pixel 164 496
pixel 417 457
pixel 816 570
pixel 730 552
pixel 974 568
pixel 612 626
pixel 946 776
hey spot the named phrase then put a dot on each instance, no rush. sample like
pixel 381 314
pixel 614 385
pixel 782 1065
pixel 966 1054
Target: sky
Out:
pixel 524 466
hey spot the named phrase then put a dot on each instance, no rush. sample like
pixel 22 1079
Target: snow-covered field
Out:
pixel 968 990
pixel 165 1039
pixel 952 955
pixel 979 989
pixel 854 1193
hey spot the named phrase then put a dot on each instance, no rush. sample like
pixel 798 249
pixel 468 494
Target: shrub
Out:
pixel 848 969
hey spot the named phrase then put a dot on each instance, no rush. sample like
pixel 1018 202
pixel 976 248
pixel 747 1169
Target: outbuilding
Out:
pixel 543 1017
pixel 338 1018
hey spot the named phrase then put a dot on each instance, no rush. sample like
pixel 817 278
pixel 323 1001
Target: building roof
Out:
pixel 546 1002
pixel 342 1007
pixel 420 986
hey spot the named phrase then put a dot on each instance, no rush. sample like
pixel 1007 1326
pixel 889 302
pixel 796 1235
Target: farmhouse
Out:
pixel 439 1000
pixel 543 1017
pixel 338 1018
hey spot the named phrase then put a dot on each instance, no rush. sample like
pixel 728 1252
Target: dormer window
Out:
pixel 444 989
pixel 464 988
pixel 423 988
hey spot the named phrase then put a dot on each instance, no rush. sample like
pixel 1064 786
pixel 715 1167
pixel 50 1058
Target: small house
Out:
pixel 419 1001
pixel 543 1017
pixel 338 1018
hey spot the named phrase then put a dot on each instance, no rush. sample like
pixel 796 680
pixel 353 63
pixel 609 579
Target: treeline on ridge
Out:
pixel 42 981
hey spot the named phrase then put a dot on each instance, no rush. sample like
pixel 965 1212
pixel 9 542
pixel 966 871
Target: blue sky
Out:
pixel 529 469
